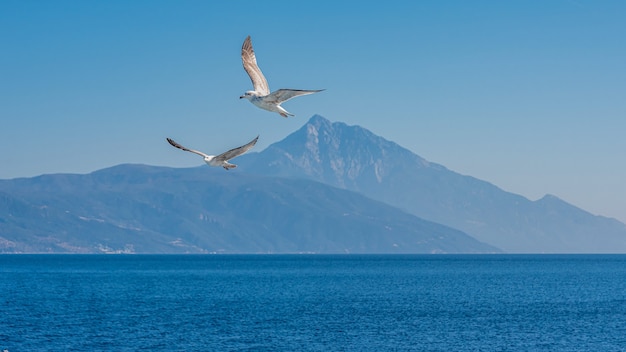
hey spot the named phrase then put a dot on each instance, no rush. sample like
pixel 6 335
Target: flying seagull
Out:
pixel 261 95
pixel 219 160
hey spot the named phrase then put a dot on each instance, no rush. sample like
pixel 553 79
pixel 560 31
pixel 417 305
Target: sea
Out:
pixel 312 303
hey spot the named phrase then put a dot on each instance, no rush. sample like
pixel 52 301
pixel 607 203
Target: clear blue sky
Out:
pixel 528 95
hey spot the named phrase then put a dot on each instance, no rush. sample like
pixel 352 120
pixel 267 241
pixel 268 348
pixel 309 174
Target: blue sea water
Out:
pixel 313 303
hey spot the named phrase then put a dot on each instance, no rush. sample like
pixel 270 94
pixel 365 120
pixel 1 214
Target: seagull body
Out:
pixel 261 95
pixel 218 160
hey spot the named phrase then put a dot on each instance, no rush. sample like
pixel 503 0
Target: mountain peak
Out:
pixel 550 198
pixel 338 154
pixel 319 120
pixel 318 124
pixel 353 158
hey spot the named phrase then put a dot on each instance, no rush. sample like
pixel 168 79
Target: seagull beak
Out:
pixel 243 96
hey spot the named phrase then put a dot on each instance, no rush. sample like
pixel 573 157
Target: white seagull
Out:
pixel 261 95
pixel 219 160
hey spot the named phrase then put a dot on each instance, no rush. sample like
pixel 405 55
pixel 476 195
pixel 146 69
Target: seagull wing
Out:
pixel 233 153
pixel 283 95
pixel 249 64
pixel 175 144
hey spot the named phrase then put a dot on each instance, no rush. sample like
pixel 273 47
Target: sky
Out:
pixel 527 95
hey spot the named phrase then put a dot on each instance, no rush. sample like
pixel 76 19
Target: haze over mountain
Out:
pixel 145 209
pixel 353 158
pixel 300 194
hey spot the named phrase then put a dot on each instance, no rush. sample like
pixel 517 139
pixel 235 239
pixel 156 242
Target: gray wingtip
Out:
pixel 247 43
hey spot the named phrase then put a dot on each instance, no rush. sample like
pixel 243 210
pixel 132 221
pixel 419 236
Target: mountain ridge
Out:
pixel 353 158
pixel 332 154
pixel 145 209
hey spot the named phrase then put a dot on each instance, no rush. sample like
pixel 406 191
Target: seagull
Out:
pixel 261 95
pixel 219 160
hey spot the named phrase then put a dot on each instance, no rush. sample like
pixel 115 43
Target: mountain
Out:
pixel 145 209
pixel 355 159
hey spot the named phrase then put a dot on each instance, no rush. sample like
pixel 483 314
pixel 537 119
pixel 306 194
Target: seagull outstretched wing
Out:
pixel 282 95
pixel 175 144
pixel 233 153
pixel 249 64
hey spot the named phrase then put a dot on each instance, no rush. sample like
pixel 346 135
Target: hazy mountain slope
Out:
pixel 353 158
pixel 143 209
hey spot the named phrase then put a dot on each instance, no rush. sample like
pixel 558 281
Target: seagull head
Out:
pixel 249 95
